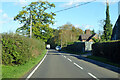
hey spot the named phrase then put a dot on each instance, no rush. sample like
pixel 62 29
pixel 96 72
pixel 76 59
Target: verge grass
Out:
pixel 18 71
pixel 104 60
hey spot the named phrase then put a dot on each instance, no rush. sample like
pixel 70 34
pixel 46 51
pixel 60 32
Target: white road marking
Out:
pixel 69 59
pixel 93 76
pixel 36 67
pixel 64 56
pixel 78 66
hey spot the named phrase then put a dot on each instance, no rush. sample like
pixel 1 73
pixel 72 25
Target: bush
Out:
pixel 76 47
pixel 18 49
pixel 109 50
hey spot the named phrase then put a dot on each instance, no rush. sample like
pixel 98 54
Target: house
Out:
pixel 118 8
pixel 87 36
pixel 116 30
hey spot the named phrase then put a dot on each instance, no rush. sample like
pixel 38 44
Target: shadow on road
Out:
pixel 107 66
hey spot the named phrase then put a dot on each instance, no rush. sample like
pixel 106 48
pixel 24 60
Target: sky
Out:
pixel 85 17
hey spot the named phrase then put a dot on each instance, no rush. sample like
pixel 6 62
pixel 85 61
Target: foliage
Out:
pixel 93 32
pixel 68 33
pixel 108 26
pixel 109 50
pixel 76 47
pixel 41 19
pixel 18 49
pixel 64 35
pixel 55 40
pixel 95 40
pixel 19 71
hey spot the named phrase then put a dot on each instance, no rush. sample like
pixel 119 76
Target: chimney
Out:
pixel 87 31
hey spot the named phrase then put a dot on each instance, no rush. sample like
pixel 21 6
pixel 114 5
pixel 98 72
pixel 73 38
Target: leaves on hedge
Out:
pixel 18 49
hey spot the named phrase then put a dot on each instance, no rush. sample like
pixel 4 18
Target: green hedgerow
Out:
pixel 18 49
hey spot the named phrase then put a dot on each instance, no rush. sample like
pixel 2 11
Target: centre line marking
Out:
pixel 93 76
pixel 69 59
pixel 78 66
pixel 64 56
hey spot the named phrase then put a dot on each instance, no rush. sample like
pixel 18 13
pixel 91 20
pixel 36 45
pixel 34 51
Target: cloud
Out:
pixel 84 26
pixel 70 3
pixel 21 2
pixel 5 15
pixel 77 25
pixel 2 22
pixel 58 0
pixel 1 10
pixel 87 26
pixel 5 18
pixel 77 2
pixel 74 3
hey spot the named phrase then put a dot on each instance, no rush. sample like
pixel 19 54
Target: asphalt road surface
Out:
pixel 63 65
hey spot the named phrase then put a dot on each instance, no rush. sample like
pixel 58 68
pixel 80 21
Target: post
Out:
pixel 61 40
pixel 107 2
pixel 30 26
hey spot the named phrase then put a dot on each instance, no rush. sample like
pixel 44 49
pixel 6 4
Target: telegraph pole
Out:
pixel 61 40
pixel 107 2
pixel 30 25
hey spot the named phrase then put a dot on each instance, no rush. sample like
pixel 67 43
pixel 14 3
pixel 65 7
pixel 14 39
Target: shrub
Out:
pixel 76 47
pixel 109 50
pixel 18 49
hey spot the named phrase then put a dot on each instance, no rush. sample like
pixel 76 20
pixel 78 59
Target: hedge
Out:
pixel 109 50
pixel 18 49
pixel 76 47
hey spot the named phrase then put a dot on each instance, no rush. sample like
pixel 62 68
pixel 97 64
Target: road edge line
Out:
pixel 36 67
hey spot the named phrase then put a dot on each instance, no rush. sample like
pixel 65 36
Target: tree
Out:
pixel 69 33
pixel 108 26
pixel 41 19
pixel 93 32
pixel 64 35
pixel 55 40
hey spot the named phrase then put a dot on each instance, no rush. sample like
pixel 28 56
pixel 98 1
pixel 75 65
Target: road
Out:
pixel 63 65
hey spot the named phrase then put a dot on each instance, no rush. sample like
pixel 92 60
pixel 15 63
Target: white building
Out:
pixel 118 8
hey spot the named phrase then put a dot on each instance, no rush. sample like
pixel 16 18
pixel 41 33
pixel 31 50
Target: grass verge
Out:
pixel 20 70
pixel 104 60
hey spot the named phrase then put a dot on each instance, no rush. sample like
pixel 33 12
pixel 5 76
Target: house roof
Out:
pixel 116 30
pixel 86 37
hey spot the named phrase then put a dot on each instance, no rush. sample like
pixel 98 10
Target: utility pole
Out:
pixel 30 25
pixel 61 40
pixel 107 2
